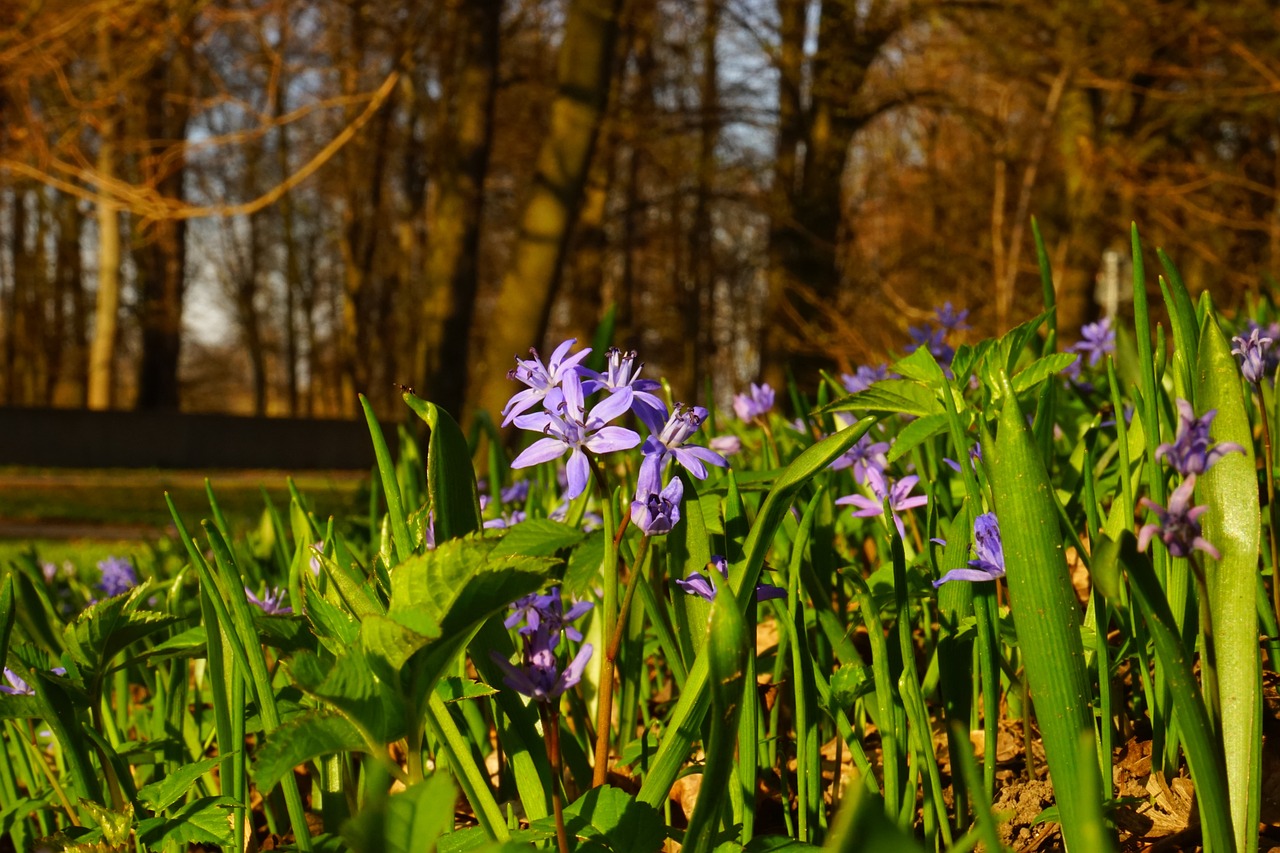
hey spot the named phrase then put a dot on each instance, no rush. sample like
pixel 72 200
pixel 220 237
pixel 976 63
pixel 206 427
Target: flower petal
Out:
pixel 542 450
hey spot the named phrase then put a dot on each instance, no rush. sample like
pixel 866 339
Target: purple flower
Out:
pixel 573 429
pixel 1271 358
pixel 899 497
pixel 624 372
pixel 541 378
pixel 864 456
pixel 1253 352
pixel 755 403
pixel 863 378
pixel 989 563
pixel 655 513
pixel 725 445
pixel 118 576
pixel 539 611
pixel 704 586
pixel 950 319
pixel 1179 525
pixel 975 456
pixel 517 493
pixel 1096 340
pixel 1190 452
pixel 271 603
pixel 504 521
pixel 679 428
pixel 16 686
pixel 539 677
pixel 934 340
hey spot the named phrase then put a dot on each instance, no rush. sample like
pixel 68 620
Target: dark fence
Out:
pixel 73 438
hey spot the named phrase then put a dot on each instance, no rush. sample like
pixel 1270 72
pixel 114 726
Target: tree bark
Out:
pixel 457 208
pixel 525 294
pixel 161 259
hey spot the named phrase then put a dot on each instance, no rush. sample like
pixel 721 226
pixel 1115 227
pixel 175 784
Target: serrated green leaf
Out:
pixel 203 821
pixel 159 795
pixel 1041 369
pixel 19 707
pixel 917 365
pixel 455 689
pixel 350 686
pixel 388 644
pixel 300 740
pixel 537 537
pixel 889 396
pixel 461 583
pixel 114 825
pixel 916 433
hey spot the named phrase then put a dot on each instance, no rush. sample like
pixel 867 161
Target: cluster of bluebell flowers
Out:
pixel 1191 453
pixel 1256 355
pixel 545 621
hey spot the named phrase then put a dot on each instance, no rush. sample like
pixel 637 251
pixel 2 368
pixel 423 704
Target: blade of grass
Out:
pixel 390 486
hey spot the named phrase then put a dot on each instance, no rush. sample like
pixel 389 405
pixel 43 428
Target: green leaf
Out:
pixel 1041 369
pixel 390 486
pixel 1042 601
pixel 110 626
pixel 727 650
pixel 462 582
pixel 388 643
pixel 538 537
pixel 300 740
pixel 349 685
pixel 115 825
pixel 889 396
pixel 916 433
pixel 451 480
pixel 7 614
pixel 1233 524
pixel 455 689
pixel 203 821
pixel 612 818
pixel 583 573
pixel 158 796
pixel 409 822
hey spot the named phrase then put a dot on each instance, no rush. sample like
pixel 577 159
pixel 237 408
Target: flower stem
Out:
pixel 604 717
pixel 551 730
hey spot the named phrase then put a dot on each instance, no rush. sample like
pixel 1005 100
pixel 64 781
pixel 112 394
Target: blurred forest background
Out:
pixel 264 206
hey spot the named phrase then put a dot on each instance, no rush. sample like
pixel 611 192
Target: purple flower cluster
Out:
pixel 1189 454
pixel 704 586
pixel 16 686
pixel 118 576
pixel 865 456
pixel 545 621
pixel 1179 525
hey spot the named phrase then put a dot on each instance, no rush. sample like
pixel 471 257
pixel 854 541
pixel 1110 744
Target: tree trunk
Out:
pixel 700 318
pixel 65 345
pixel 525 294
pixel 452 272
pixel 161 259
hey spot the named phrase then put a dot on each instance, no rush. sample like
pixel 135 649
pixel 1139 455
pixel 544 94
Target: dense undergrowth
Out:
pixel 658 624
